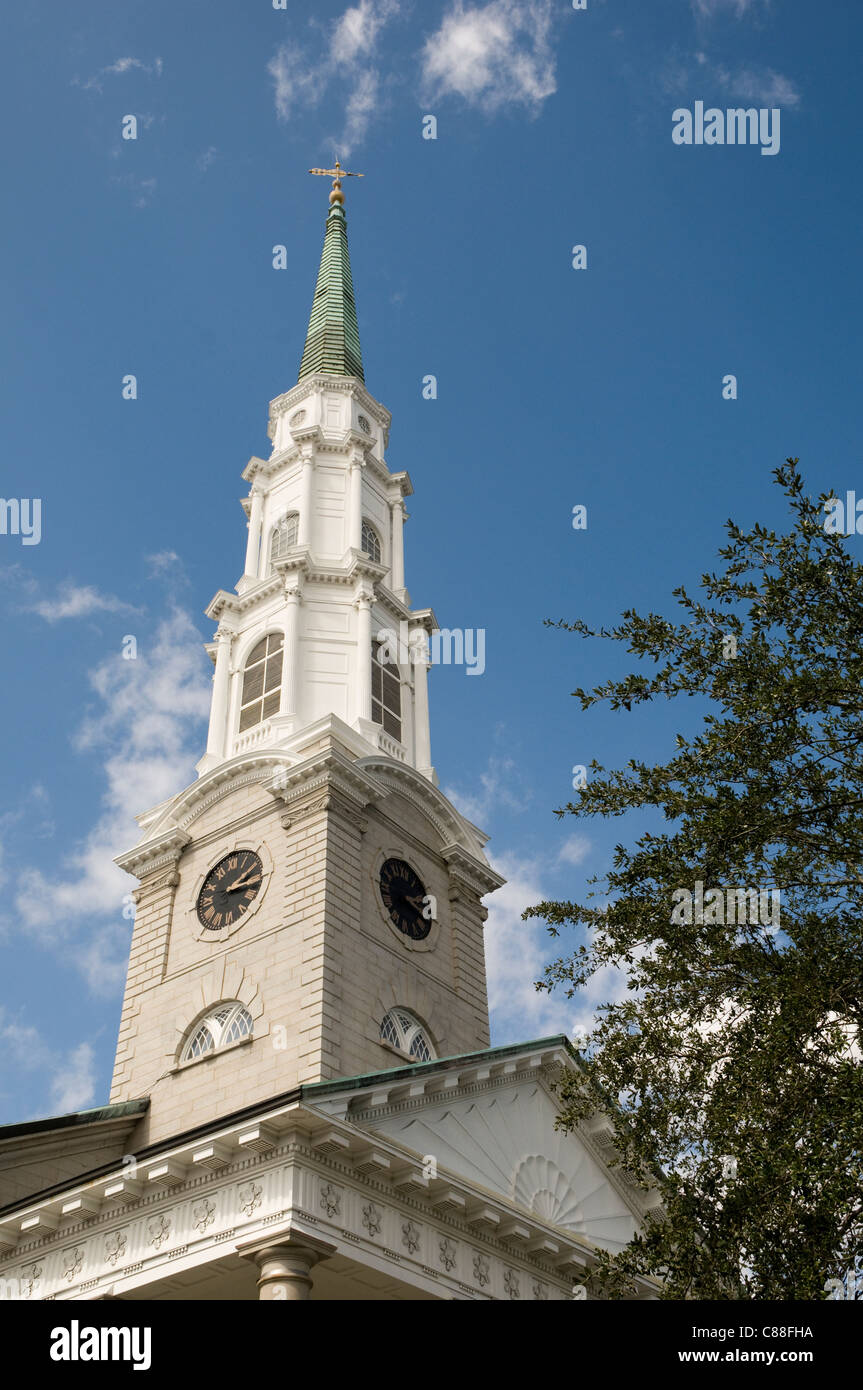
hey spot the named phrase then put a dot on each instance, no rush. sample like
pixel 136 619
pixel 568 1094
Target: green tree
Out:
pixel 734 1062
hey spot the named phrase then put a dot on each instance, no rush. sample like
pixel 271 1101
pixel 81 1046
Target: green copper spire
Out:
pixel 333 339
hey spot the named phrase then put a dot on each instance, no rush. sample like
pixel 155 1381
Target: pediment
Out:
pixel 504 1141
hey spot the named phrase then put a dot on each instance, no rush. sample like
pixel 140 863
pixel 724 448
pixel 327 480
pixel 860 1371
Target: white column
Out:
pixel 285 1261
pixel 364 655
pixel 288 704
pixel 216 737
pixel 286 1274
pixel 398 533
pixel 407 697
pixel 304 529
pixel 355 520
pixel 253 545
pixel 422 730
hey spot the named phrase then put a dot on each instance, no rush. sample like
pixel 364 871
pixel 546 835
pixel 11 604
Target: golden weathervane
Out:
pixel 337 174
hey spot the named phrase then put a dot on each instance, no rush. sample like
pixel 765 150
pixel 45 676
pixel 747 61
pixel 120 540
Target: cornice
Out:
pixel 295 1166
pixel 453 830
pixel 341 385
pixel 465 868
pixel 329 772
pixel 178 814
pixel 225 604
pixel 158 853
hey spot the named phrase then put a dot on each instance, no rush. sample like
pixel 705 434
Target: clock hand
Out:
pixel 241 883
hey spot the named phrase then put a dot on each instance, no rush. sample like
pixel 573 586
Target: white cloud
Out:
pixel 127 64
pixel 574 850
pixel 167 568
pixel 762 86
pixel 73 1084
pixel 34 810
pixel 707 9
pixel 71 1078
pixel 118 69
pixel 492 55
pixel 516 953
pixel 148 733
pixel 766 87
pixel 17 577
pixel 207 158
pixel 301 76
pixel 502 786
pixel 356 32
pixel 22 1045
pixel 295 79
pixel 78 601
pixel 363 105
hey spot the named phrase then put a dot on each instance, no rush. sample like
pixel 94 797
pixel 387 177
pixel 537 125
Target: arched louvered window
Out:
pixel 262 681
pixel 386 693
pixel 283 536
pixel 228 1023
pixel 401 1030
pixel 371 542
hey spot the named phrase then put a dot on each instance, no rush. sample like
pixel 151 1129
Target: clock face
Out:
pixel 404 896
pixel 229 890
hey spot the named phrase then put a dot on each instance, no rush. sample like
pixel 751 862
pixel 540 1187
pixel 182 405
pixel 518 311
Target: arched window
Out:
pixel 262 681
pixel 283 536
pixel 371 542
pixel 227 1023
pixel 401 1030
pixel 386 693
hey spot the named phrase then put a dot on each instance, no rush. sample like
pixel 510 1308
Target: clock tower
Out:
pixel 310 908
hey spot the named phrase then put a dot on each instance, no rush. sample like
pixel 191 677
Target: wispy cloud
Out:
pixel 709 9
pixel 147 731
pixel 492 56
pixel 349 59
pixel 517 953
pixel 167 565
pixel 118 69
pixel 574 850
pixel 78 601
pixel 127 64
pixel 356 33
pixel 764 86
pixel 142 190
pixel 296 80
pixel 501 785
pixel 33 814
pixel 70 1076
pixel 206 158
pixel 74 1083
pixel 685 75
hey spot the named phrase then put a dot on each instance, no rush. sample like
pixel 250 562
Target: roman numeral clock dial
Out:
pixel 229 889
pixel 404 896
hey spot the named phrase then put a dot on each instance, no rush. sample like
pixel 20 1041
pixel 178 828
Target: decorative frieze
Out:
pixel 197 1213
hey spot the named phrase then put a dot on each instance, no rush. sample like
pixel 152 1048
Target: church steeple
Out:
pixel 317 801
pixel 333 338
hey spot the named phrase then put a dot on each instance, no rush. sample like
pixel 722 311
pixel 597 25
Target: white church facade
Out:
pixel 304 1101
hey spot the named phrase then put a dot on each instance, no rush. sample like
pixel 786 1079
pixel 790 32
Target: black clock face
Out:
pixel 404 897
pixel 229 890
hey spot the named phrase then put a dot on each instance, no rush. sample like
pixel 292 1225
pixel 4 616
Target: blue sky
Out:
pixel 556 387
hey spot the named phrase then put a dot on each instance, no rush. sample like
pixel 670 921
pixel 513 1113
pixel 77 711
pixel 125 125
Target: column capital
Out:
pixel 285 1259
